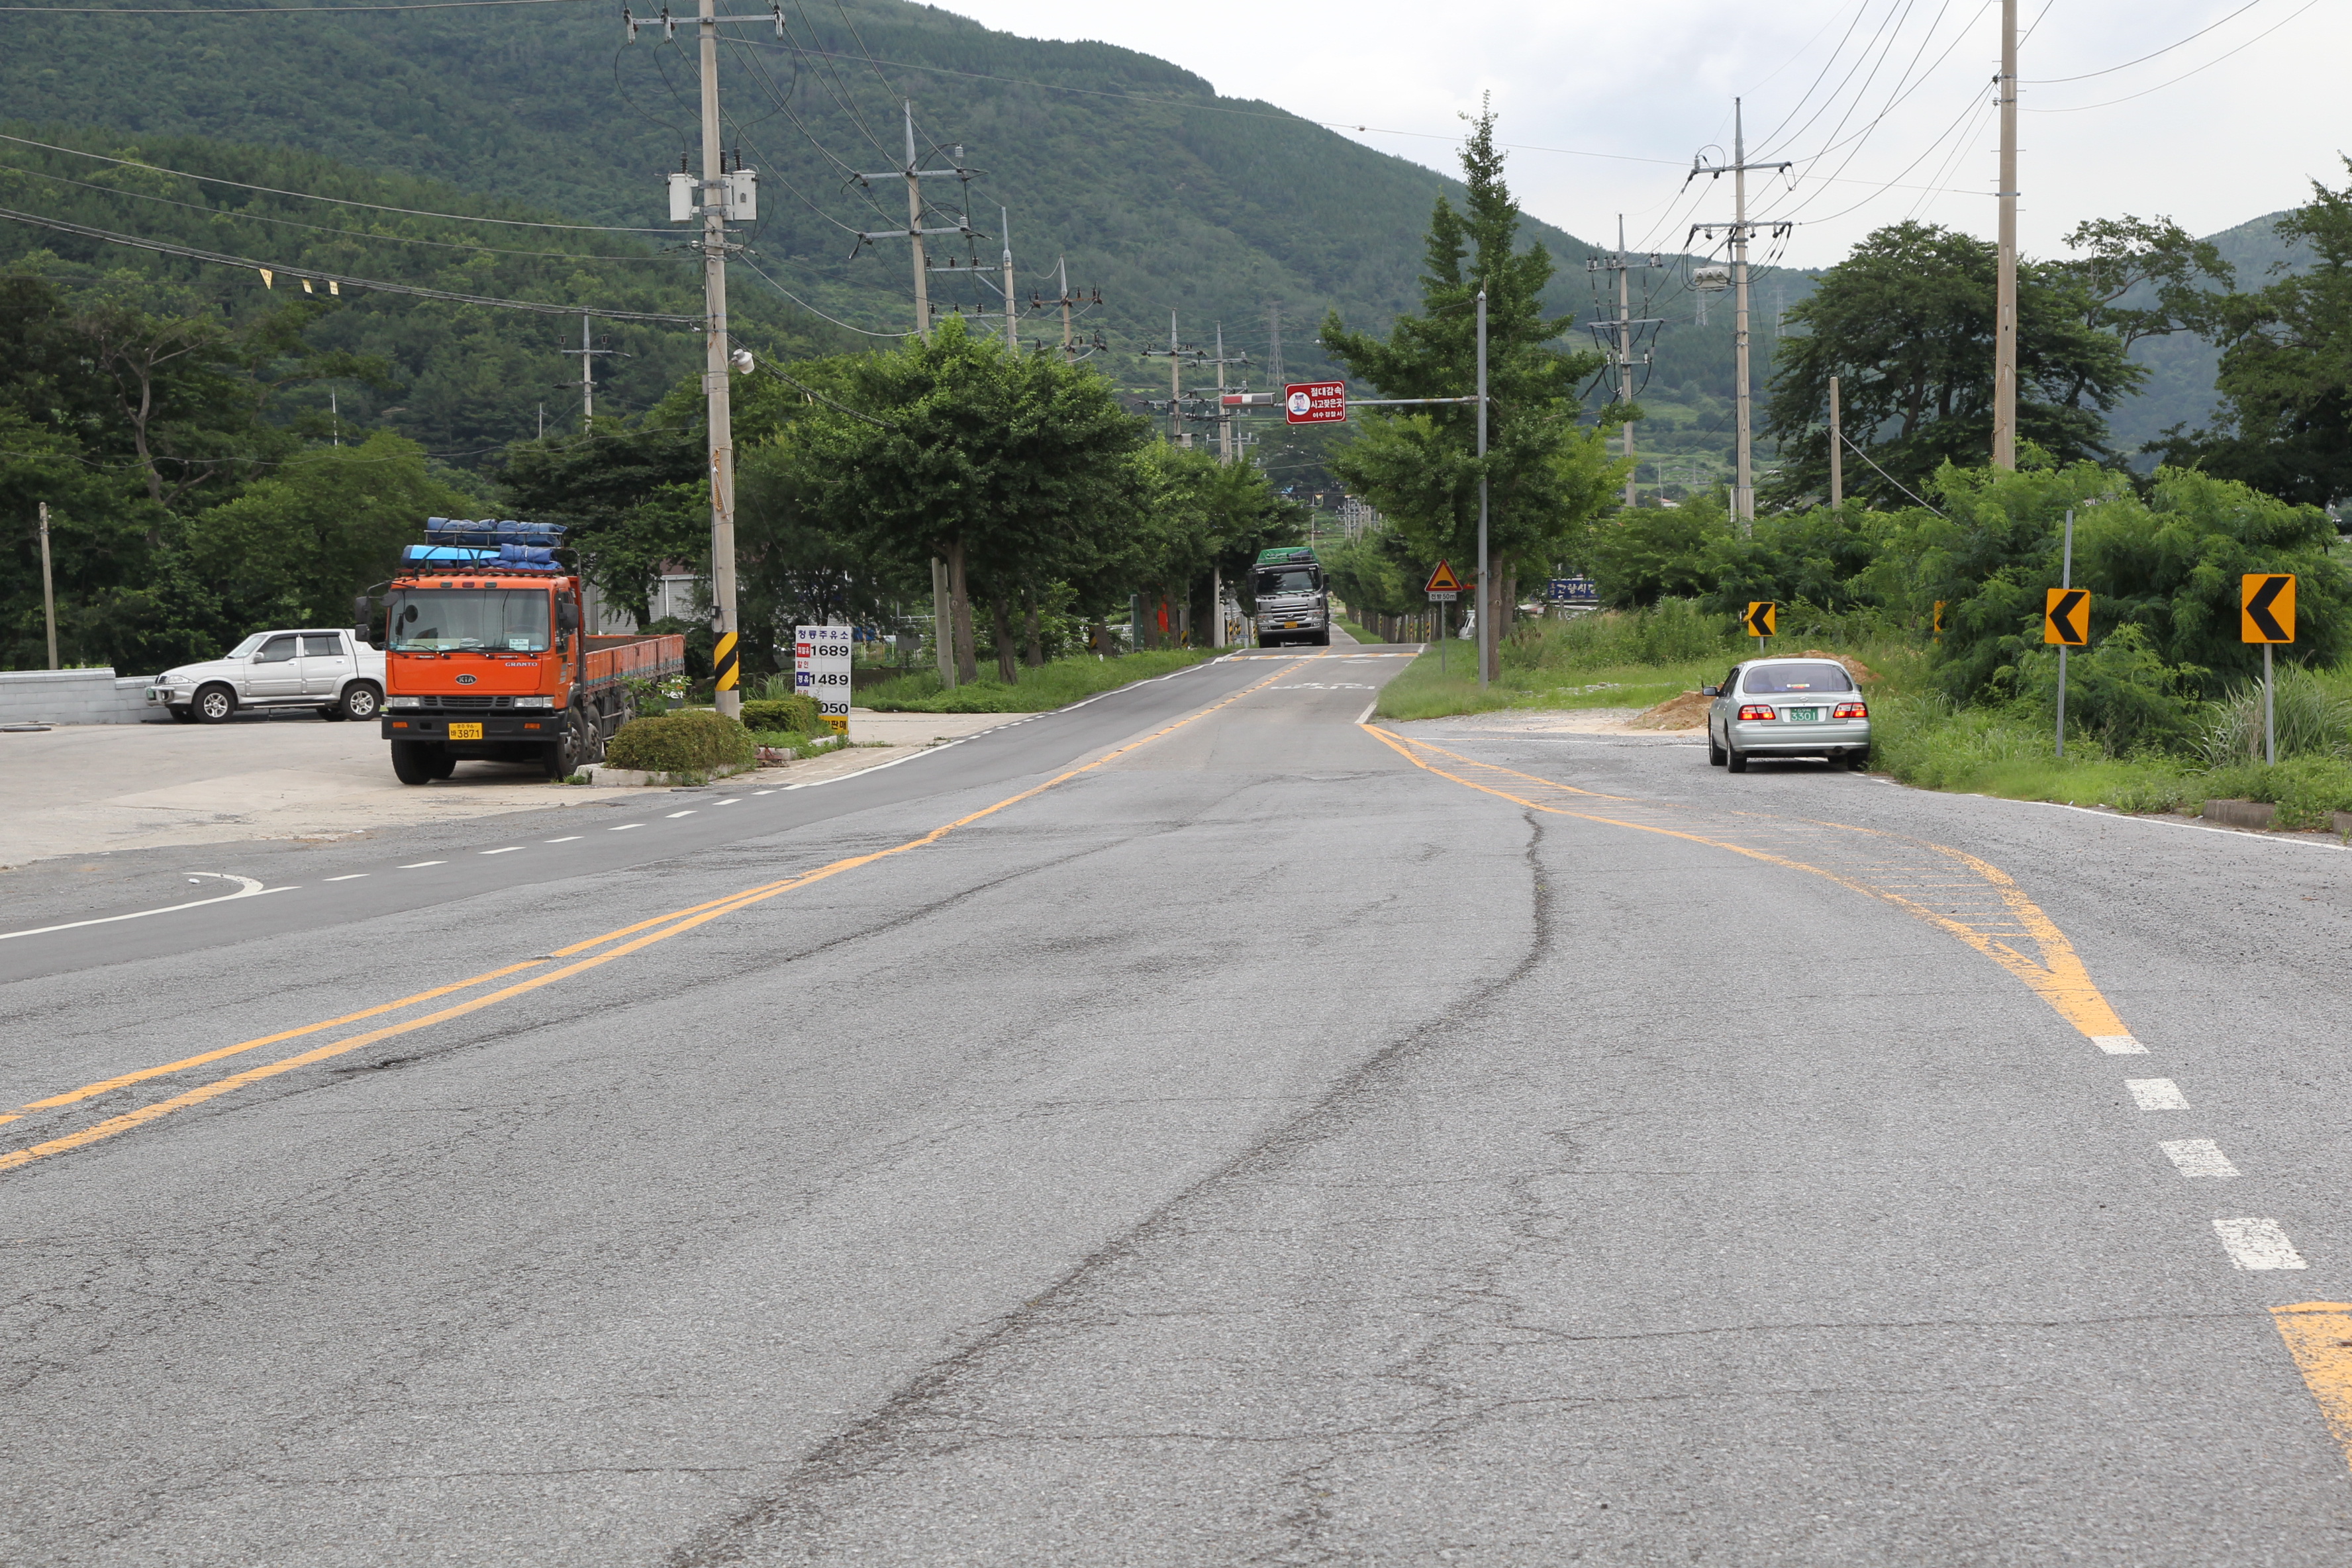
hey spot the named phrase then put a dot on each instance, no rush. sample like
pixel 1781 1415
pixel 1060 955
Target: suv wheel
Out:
pixel 180 713
pixel 214 705
pixel 361 701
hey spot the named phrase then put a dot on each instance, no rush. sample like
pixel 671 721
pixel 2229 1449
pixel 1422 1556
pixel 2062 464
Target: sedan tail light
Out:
pixel 1851 710
pixel 1756 711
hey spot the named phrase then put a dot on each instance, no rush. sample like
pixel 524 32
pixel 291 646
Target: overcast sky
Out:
pixel 1870 96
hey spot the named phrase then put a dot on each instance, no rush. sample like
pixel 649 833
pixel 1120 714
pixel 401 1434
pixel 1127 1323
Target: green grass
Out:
pixel 1918 736
pixel 1047 686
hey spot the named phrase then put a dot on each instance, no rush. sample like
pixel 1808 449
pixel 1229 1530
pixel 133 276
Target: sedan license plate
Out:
pixel 1804 715
pixel 465 732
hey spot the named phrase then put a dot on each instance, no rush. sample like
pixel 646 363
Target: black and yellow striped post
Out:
pixel 723 662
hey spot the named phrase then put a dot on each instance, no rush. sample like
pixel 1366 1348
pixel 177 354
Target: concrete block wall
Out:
pixel 72 697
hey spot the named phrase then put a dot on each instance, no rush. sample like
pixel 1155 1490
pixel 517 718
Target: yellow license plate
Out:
pixel 465 732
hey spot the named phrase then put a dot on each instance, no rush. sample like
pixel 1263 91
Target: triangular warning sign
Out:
pixel 1443 581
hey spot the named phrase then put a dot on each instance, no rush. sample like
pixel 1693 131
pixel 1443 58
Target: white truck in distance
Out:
pixel 325 669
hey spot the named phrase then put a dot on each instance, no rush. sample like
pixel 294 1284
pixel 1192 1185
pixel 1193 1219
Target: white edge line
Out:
pixel 251 890
pixel 1366 716
pixel 2159 822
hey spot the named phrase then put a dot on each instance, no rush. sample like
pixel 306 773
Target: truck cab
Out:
pixel 1294 604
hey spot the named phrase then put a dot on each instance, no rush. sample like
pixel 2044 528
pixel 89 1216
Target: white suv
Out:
pixel 328 670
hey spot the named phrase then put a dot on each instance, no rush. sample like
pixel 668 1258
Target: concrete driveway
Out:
pixel 87 789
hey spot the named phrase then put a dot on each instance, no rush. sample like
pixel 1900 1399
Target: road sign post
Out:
pixel 1441 588
pixel 1763 619
pixel 2065 620
pixel 2267 615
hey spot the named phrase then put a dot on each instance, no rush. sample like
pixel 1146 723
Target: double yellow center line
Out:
pixel 613 944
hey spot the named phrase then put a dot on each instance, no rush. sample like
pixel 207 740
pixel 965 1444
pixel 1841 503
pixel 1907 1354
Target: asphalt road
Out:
pixel 1274 1144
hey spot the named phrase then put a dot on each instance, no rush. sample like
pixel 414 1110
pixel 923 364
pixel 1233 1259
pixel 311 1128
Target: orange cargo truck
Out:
pixel 484 655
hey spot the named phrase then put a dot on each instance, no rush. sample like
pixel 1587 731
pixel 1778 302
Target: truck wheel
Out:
pixel 412 761
pixel 563 756
pixel 1324 639
pixel 214 705
pixel 444 764
pixel 361 700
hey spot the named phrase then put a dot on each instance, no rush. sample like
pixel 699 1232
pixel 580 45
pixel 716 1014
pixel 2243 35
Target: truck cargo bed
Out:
pixel 650 656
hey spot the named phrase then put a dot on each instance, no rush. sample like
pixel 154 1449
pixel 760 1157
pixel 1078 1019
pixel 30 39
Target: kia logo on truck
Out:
pixel 464 681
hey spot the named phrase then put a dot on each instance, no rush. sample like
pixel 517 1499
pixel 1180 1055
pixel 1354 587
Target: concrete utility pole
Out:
pixel 1486 594
pixel 2004 326
pixel 587 374
pixel 1062 271
pixel 725 659
pixel 1623 333
pixel 1012 313
pixel 1837 451
pixel 943 616
pixel 49 589
pixel 1274 369
pixel 1176 354
pixel 1743 490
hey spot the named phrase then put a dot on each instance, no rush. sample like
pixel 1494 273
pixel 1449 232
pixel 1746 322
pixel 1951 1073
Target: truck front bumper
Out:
pixel 463 729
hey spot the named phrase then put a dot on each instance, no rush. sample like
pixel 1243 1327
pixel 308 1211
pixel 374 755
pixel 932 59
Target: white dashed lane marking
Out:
pixel 509 850
pixel 346 876
pixel 2257 1244
pixel 624 827
pixel 2119 1045
pixel 568 839
pixel 676 815
pixel 2199 1159
pixel 2157 1093
pixel 726 801
pixel 419 865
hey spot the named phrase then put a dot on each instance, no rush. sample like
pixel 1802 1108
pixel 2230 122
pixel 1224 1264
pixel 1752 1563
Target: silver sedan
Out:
pixel 1787 707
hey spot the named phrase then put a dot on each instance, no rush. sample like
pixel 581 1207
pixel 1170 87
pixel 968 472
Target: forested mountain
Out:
pixel 2181 368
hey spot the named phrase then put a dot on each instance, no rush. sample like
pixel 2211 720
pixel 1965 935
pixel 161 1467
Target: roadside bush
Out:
pixel 2305 789
pixel 1672 631
pixel 694 742
pixel 796 712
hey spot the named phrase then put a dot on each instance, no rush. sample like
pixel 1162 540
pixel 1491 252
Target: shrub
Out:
pixel 2305 789
pixel 694 742
pixel 797 711
pixel 2313 719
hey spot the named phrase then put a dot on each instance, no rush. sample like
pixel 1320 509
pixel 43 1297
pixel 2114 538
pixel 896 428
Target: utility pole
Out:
pixel 588 353
pixel 49 589
pixel 1743 490
pixel 1176 354
pixel 1486 580
pixel 335 413
pixel 2004 327
pixel 1837 453
pixel 1011 315
pixel 1623 333
pixel 942 602
pixel 1275 372
pixel 725 659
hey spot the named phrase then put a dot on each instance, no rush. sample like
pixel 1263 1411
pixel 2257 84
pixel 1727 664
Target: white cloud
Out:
pixel 1654 82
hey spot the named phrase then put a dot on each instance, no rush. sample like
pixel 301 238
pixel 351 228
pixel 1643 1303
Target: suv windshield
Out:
pixel 1289 580
pixel 1778 678
pixel 511 620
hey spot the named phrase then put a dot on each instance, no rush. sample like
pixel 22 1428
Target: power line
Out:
pixel 812 309
pixel 323 228
pixel 336 201
pixel 336 281
pixel 2184 76
pixel 268 10
pixel 2055 80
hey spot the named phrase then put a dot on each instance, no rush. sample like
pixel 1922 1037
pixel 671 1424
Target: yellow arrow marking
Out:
pixel 2318 1334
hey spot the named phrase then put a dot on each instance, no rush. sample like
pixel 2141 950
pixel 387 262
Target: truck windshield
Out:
pixel 511 620
pixel 1288 580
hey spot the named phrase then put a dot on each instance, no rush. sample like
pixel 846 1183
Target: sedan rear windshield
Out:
pixel 1796 678
pixel 1293 579
pixel 509 620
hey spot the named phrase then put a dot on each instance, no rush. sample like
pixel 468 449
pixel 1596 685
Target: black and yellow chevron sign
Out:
pixel 723 662
pixel 2066 616
pixel 2266 607
pixel 1761 616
